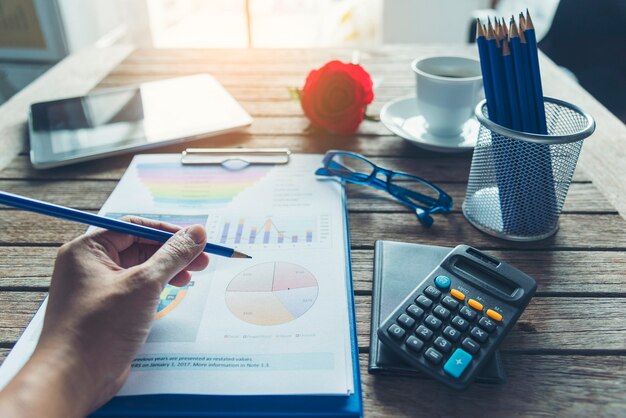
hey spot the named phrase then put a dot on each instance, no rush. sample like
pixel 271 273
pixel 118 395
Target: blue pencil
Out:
pixel 527 115
pixel 490 58
pixel 528 84
pixel 497 76
pixel 509 74
pixel 538 185
pixel 531 40
pixel 75 215
pixel 485 67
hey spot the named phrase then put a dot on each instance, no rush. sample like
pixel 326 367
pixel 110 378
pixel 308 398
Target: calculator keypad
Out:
pixel 445 329
pixel 443 345
pixel 441 312
pixel 414 344
pixel 450 303
pixel 415 311
pixel 424 302
pixel 487 324
pixel 406 321
pixel 432 293
pixel 433 356
pixel 424 333
pixel 468 313
pixel 432 322
pixel 479 334
pixel 452 334
pixel 396 332
pixel 470 345
pixel 459 323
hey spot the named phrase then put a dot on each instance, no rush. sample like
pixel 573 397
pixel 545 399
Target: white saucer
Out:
pixel 401 116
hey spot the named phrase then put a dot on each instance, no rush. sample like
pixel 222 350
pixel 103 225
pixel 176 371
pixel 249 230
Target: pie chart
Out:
pixel 271 293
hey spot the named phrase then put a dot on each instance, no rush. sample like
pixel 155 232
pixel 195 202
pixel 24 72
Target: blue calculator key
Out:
pixel 442 282
pixel 457 363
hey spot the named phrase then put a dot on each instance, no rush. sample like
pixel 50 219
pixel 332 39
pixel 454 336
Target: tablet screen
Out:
pixel 132 118
pixel 100 120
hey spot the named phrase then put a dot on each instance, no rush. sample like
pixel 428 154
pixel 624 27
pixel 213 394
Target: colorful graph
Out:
pixel 170 297
pixel 271 293
pixel 195 186
pixel 265 231
pixel 180 220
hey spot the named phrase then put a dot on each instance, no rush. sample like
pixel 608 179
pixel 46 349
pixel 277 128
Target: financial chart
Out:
pixel 271 293
pixel 170 297
pixel 184 186
pixel 284 231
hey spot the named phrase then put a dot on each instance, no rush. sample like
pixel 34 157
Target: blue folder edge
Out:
pixel 256 405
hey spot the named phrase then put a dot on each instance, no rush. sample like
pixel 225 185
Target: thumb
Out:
pixel 176 253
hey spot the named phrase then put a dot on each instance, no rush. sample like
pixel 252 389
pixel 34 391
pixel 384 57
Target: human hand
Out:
pixel 103 297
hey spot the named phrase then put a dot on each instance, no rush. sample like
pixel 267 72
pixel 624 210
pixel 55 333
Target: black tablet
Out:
pixel 114 121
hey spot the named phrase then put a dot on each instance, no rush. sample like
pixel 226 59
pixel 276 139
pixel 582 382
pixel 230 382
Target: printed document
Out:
pixel 274 324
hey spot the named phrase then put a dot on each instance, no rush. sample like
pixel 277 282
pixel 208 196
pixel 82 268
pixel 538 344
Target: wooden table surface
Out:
pixel 565 356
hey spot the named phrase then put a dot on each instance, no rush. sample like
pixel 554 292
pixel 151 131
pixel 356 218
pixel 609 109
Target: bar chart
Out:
pixel 270 231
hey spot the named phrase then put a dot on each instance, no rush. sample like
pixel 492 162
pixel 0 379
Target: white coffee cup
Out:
pixel 448 89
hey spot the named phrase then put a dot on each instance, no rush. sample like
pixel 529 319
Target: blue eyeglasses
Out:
pixel 418 194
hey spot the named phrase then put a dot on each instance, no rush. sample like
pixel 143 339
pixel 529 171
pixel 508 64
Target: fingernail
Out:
pixel 197 233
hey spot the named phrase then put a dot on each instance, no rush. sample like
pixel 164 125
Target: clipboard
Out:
pixel 237 158
pixel 169 405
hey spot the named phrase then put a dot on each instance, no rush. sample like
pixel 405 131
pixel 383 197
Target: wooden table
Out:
pixel 565 356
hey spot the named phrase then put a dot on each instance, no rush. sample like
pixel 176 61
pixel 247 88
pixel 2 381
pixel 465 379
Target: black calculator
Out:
pixel 453 321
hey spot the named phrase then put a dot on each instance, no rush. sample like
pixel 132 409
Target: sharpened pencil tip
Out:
pixel 237 254
pixel 529 21
pixel 480 30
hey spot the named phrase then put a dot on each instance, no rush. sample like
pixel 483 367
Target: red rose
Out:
pixel 335 96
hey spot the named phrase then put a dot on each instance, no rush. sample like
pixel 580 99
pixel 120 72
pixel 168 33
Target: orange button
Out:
pixel 475 304
pixel 494 315
pixel 457 294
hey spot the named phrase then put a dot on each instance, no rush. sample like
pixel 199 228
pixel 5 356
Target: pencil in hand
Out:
pixel 62 212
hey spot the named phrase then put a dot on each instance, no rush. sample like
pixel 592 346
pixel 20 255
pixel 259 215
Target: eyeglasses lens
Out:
pixel 351 167
pixel 413 190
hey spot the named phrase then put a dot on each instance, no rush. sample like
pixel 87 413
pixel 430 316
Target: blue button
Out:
pixel 457 363
pixel 442 282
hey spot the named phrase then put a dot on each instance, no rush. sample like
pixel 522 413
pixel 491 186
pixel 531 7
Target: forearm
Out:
pixel 50 385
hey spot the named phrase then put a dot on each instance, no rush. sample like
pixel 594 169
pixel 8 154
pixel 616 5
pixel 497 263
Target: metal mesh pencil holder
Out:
pixel 518 181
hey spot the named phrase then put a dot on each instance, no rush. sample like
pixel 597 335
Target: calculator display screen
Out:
pixel 483 275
